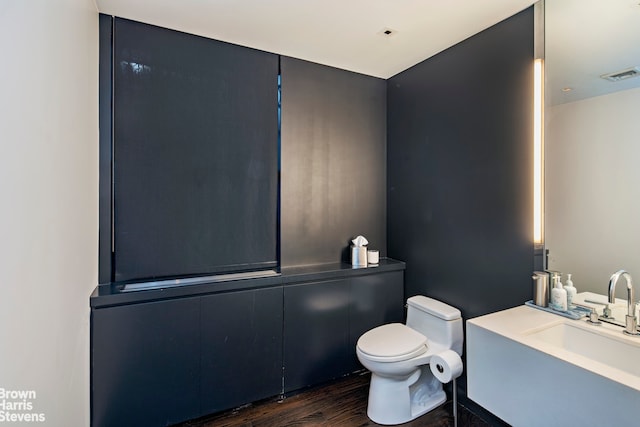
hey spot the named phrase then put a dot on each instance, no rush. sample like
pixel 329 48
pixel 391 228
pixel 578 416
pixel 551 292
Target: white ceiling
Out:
pixel 340 33
pixel 585 39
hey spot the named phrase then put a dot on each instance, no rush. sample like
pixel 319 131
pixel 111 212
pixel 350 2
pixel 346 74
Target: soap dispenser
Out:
pixel 571 291
pixel 558 295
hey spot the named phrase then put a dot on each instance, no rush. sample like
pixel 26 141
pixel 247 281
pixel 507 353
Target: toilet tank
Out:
pixel 439 322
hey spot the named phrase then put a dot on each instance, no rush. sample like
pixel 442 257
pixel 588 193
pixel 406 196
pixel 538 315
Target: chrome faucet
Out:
pixel 631 322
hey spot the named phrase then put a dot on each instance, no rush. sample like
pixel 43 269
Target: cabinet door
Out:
pixel 316 332
pixel 145 363
pixel 376 299
pixel 241 348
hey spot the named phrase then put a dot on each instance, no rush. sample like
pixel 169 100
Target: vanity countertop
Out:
pixel 527 366
pixel 117 294
pixel 523 324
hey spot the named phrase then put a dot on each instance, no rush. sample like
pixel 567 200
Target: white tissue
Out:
pixel 446 365
pixel 360 241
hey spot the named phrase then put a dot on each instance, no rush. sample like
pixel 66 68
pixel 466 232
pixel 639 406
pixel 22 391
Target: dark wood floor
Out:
pixel 342 403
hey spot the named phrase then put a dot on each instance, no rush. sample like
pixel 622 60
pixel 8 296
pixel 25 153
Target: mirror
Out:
pixel 592 140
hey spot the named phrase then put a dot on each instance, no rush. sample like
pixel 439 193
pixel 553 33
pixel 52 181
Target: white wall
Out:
pixel 592 188
pixel 49 193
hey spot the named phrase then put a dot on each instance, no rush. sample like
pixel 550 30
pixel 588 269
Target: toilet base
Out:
pixel 419 409
pixel 397 401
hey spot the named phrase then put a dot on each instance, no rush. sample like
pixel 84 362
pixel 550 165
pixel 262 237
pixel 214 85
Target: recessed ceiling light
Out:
pixel 387 32
pixel 567 89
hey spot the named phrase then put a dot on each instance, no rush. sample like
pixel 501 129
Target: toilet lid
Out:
pixel 394 341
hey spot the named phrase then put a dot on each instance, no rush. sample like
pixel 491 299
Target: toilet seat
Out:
pixel 393 342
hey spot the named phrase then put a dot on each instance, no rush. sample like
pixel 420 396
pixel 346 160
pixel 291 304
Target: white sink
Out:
pixel 588 341
pixel 532 368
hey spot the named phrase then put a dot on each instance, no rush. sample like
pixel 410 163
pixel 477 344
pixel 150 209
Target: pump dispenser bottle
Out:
pixel 558 295
pixel 571 291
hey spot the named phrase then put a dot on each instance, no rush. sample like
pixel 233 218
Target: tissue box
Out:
pixel 359 256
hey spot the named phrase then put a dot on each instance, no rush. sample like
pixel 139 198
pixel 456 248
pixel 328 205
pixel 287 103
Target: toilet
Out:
pixel 402 385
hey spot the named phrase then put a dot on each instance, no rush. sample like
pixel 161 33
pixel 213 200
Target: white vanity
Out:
pixel 533 368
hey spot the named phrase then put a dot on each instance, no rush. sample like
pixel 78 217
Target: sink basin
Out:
pixel 590 343
pixel 531 368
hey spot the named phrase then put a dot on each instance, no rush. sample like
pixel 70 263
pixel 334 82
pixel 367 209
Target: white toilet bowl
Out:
pixel 402 385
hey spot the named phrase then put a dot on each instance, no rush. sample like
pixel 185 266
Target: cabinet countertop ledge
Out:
pixel 107 295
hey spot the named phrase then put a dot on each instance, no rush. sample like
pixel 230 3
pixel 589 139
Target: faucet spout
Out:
pixel 631 321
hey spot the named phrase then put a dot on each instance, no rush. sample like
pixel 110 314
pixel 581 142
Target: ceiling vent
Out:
pixel 622 75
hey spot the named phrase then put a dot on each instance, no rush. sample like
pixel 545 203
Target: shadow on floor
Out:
pixel 342 403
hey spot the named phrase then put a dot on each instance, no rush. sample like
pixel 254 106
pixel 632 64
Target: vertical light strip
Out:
pixel 538 123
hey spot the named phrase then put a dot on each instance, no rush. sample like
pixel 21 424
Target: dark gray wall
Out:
pixel 460 170
pixel 333 162
pixel 188 154
pixel 195 154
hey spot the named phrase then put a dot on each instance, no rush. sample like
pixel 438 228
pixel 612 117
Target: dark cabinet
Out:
pixel 323 321
pixel 145 363
pixel 241 353
pixel 160 363
pixel 316 335
pixel 180 357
